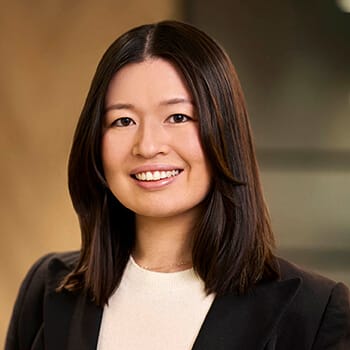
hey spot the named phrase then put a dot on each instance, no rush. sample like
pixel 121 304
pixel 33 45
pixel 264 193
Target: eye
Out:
pixel 123 122
pixel 178 118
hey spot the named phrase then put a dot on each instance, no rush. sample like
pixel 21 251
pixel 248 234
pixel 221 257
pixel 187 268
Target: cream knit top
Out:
pixel 154 311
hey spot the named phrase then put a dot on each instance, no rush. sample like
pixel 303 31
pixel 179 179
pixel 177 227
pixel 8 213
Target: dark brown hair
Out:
pixel 232 244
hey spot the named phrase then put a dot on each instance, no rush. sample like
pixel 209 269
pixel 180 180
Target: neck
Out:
pixel 163 244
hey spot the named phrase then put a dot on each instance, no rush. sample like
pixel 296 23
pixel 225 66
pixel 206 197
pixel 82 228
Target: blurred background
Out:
pixel 293 59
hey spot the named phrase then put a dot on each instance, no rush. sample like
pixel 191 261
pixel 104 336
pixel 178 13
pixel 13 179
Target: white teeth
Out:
pixel 156 175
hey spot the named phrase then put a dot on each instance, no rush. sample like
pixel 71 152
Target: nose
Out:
pixel 150 140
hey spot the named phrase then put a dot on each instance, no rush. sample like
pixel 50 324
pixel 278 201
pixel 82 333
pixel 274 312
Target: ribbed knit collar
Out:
pixel 139 277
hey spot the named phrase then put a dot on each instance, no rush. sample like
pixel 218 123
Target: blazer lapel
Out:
pixel 246 322
pixel 71 321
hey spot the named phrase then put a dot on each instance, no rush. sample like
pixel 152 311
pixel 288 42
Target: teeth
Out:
pixel 156 175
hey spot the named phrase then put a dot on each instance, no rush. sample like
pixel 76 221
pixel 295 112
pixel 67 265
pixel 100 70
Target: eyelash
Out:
pixel 125 121
pixel 186 117
pixel 118 122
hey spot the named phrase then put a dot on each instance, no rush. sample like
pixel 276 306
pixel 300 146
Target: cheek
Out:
pixel 112 153
pixel 106 152
pixel 197 159
pixel 195 150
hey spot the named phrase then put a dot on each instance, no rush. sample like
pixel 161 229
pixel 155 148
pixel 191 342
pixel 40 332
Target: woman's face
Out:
pixel 151 151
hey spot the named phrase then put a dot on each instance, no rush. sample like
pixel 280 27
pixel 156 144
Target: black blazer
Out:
pixel 301 311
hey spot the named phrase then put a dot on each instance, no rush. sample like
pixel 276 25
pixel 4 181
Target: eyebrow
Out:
pixel 119 106
pixel 176 100
pixel 172 101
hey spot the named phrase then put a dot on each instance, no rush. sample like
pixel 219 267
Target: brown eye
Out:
pixel 123 122
pixel 178 118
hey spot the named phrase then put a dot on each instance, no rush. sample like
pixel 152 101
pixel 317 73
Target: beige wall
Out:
pixel 49 51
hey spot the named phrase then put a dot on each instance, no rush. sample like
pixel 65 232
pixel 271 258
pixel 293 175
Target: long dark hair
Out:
pixel 233 241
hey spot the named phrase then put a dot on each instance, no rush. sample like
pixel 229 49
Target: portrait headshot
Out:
pixel 177 247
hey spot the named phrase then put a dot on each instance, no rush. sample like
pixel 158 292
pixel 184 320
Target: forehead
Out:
pixel 152 79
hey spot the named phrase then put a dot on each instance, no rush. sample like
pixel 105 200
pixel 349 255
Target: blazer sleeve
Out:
pixel 27 315
pixel 334 330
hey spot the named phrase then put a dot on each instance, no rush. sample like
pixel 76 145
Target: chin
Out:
pixel 160 212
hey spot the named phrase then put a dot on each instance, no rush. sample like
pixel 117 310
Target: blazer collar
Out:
pixel 248 321
pixel 233 322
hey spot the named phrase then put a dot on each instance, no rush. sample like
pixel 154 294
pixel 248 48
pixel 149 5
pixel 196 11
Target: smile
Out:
pixel 156 175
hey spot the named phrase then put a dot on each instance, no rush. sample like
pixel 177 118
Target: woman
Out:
pixel 177 248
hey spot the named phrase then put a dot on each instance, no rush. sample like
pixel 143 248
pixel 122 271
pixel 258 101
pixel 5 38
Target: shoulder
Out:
pixel 27 313
pixel 315 288
pixel 310 280
pixel 321 308
pixel 66 260
pixel 50 267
